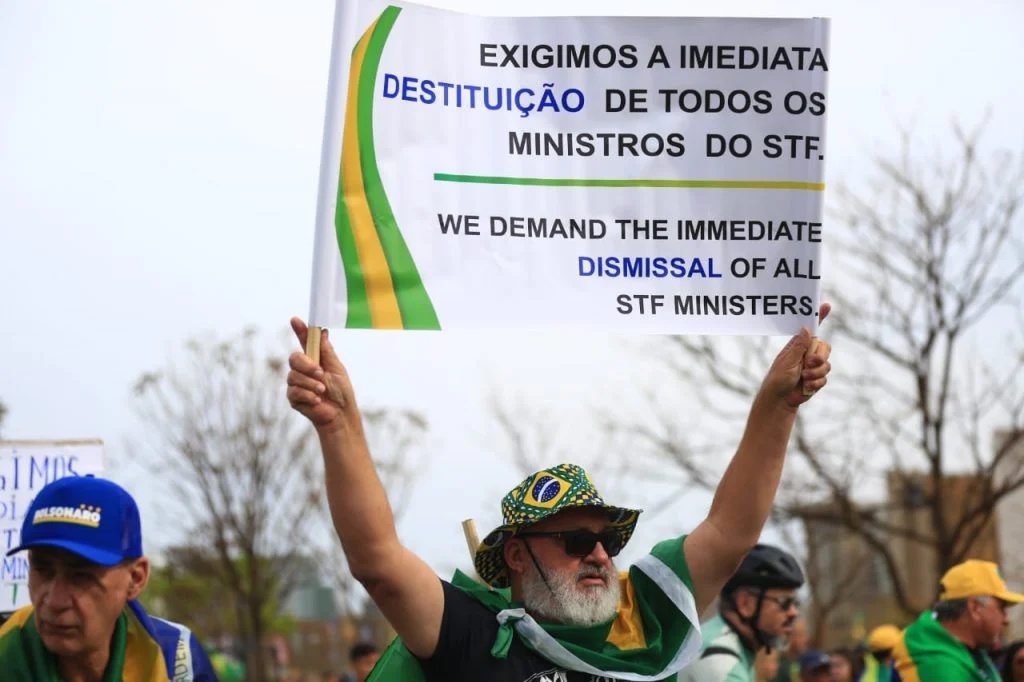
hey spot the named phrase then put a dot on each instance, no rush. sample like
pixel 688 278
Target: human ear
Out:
pixel 515 556
pixel 138 576
pixel 744 603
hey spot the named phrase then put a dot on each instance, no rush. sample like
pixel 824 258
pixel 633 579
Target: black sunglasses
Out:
pixel 784 603
pixel 580 543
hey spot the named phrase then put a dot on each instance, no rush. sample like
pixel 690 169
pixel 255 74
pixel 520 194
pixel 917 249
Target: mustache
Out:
pixel 56 624
pixel 593 572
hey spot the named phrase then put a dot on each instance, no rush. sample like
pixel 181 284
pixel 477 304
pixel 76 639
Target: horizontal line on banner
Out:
pixel 601 182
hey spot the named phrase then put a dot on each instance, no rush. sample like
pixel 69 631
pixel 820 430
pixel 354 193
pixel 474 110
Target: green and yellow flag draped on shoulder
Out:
pixel 144 649
pixel 654 635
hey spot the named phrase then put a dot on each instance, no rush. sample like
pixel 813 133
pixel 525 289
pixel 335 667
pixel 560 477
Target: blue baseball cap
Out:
pixel 91 517
pixel 814 660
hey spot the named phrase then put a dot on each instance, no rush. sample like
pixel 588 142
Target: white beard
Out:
pixel 567 601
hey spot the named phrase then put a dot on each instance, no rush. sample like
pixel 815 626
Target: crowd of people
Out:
pixel 548 603
pixel 872 660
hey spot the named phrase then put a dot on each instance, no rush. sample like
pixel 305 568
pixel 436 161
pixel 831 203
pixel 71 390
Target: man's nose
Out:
pixel 598 555
pixel 58 596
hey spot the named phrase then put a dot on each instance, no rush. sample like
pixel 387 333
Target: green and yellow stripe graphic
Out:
pixel 385 290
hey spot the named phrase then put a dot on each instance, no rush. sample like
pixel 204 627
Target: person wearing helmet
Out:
pixel 880 643
pixel 757 609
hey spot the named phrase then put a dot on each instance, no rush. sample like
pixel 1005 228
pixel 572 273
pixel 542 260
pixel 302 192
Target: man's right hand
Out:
pixel 402 585
pixel 322 392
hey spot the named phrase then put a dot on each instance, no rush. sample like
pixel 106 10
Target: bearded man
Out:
pixel 557 609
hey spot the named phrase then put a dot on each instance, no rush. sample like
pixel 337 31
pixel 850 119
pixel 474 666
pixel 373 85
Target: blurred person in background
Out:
pixel 362 657
pixel 846 666
pixel 758 608
pixel 789 659
pixel 1012 668
pixel 815 666
pixel 951 641
pixel 878 662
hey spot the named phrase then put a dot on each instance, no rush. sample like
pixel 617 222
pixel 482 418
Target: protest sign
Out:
pixel 625 174
pixel 25 467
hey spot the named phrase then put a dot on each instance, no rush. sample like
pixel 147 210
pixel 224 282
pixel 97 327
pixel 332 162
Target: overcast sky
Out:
pixel 158 178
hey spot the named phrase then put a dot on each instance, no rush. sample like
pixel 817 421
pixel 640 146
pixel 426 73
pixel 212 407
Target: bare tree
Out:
pixel 537 435
pixel 243 471
pixel 181 589
pixel 533 438
pixel 839 572
pixel 929 272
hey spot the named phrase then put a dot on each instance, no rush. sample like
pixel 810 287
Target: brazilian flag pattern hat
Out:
pixel 540 495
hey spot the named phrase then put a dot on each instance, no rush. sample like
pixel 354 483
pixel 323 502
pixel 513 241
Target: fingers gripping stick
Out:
pixel 823 312
pixel 810 351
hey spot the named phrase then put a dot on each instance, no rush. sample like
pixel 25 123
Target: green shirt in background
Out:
pixel 928 653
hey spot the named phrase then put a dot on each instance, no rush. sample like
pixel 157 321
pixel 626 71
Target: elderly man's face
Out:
pixel 77 602
pixel 990 617
pixel 568 588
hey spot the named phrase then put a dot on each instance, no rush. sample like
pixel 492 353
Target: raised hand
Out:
pixel 801 368
pixel 322 392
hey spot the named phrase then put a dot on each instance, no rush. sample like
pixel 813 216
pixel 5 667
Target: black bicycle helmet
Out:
pixel 766 567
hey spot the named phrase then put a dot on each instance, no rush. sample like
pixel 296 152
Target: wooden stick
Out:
pixel 472 539
pixel 313 343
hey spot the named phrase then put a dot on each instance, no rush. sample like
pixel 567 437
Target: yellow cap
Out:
pixel 883 638
pixel 976 578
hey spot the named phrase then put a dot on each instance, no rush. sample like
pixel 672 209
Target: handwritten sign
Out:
pixel 624 174
pixel 25 467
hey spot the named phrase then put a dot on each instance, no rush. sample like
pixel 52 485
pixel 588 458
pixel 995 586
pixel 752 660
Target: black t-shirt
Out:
pixel 463 654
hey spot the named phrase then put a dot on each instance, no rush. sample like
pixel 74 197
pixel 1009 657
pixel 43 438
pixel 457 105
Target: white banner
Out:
pixel 25 467
pixel 616 173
